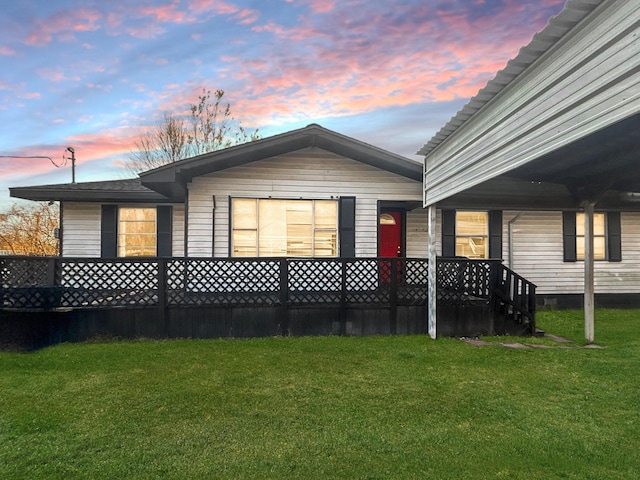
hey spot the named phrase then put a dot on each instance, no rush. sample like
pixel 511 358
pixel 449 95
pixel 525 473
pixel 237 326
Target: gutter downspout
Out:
pixel 510 229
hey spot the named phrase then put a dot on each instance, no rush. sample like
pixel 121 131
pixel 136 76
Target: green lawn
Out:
pixel 331 407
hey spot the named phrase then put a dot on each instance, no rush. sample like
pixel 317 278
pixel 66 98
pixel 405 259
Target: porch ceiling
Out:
pixel 603 167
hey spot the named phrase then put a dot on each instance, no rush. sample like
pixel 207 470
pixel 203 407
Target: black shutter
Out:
pixel 448 233
pixel 347 226
pixel 164 221
pixel 109 231
pixel 614 236
pixel 495 234
pixel 569 236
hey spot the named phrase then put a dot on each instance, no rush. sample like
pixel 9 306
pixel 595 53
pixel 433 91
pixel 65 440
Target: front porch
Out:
pixel 50 300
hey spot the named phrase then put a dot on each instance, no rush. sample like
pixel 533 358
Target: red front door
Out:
pixel 390 234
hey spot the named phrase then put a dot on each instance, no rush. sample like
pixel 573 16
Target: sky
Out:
pixel 93 74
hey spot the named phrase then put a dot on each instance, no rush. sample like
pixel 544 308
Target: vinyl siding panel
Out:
pixel 311 173
pixel 417 234
pixel 537 256
pixel 177 240
pixel 577 88
pixel 81 230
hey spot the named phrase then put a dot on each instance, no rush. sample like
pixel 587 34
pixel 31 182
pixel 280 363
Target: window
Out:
pixel 599 236
pixel 472 234
pixel 607 236
pixel 279 228
pixel 137 232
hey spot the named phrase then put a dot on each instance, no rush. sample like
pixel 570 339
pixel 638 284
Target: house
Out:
pixel 307 193
pixel 304 233
pixel 540 170
pixel 543 165
pixel 307 232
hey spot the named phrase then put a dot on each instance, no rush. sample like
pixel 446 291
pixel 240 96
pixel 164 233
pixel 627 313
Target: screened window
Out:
pixel 472 234
pixel 284 228
pixel 137 232
pixel 599 236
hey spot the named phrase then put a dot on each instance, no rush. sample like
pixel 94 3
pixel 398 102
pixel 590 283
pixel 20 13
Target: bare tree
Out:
pixel 209 127
pixel 29 231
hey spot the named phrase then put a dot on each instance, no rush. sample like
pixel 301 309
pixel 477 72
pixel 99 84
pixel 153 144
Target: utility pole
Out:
pixel 73 164
pixel 68 149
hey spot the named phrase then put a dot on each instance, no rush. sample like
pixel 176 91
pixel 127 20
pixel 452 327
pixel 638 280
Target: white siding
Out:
pixel 538 255
pixel 576 88
pixel 177 239
pixel 81 230
pixel 311 173
pixel 417 233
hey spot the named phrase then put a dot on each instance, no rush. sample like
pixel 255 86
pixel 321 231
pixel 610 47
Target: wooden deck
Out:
pixel 70 299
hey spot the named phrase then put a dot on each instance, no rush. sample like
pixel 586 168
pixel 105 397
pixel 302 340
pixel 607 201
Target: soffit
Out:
pixel 607 160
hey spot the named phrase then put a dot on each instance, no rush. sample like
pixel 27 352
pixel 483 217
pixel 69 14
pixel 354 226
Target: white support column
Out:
pixel 432 276
pixel 589 276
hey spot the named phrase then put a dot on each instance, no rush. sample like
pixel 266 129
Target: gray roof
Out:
pixel 572 14
pixel 168 183
pixel 171 179
pixel 130 190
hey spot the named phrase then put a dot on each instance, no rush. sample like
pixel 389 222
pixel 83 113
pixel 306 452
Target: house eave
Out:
pixel 165 178
pixel 566 118
pixel 92 192
pixel 572 14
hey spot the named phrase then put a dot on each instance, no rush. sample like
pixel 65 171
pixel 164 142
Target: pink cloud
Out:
pixel 7 51
pixel 55 75
pixel 63 23
pixel 19 91
pixel 247 16
pixel 322 6
pixel 244 16
pixel 90 147
pixel 165 13
pixel 217 6
pixel 17 166
pixel 147 31
pixel 358 62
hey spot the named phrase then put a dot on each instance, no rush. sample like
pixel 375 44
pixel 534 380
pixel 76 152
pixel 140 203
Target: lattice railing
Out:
pixel 104 283
pixel 461 281
pixel 192 281
pixel 30 282
pixel 24 271
pixel 36 282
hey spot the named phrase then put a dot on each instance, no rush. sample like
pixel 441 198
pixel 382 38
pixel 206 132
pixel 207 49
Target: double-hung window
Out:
pixel 607 236
pixel 472 234
pixel 284 228
pixel 137 232
pixel 599 236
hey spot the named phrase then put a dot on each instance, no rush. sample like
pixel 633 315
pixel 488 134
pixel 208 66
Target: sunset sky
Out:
pixel 93 74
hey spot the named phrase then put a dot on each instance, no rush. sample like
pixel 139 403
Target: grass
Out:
pixel 331 407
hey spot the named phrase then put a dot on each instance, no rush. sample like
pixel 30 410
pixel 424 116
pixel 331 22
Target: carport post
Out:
pixel 432 269
pixel 589 276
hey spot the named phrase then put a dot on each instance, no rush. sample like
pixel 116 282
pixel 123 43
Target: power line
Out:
pixel 62 164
